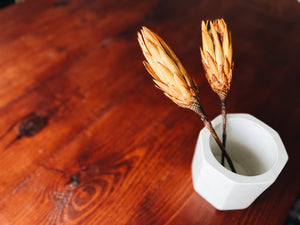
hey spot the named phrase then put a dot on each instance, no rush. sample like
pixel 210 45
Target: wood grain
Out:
pixel 85 136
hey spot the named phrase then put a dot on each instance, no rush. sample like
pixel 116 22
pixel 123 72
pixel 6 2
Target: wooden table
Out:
pixel 85 136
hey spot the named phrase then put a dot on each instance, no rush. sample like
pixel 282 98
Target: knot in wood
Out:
pixel 32 124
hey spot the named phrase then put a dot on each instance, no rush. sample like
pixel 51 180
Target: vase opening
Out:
pixel 250 146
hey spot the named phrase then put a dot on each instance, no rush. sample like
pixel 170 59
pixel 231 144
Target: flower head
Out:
pixel 166 70
pixel 216 56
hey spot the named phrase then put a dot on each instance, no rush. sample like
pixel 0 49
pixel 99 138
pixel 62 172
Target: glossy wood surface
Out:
pixel 85 136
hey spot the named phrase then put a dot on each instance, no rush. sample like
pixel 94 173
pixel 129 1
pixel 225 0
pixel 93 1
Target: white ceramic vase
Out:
pixel 258 155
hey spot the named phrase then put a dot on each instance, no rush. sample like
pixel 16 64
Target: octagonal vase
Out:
pixel 258 155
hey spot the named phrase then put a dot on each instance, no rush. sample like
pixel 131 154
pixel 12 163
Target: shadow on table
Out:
pixel 4 3
pixel 294 215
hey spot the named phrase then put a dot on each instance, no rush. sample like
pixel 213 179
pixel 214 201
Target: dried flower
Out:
pixel 217 56
pixel 166 70
pixel 171 77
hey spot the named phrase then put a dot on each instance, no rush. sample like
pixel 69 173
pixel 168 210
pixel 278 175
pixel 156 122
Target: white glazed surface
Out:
pixel 262 159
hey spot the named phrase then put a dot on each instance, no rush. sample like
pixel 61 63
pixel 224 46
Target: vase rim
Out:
pixel 266 177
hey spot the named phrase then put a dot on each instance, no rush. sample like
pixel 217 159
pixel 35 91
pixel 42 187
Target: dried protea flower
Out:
pixel 217 61
pixel 171 77
pixel 217 56
pixel 167 71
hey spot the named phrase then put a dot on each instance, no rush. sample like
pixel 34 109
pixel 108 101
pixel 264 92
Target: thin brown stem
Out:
pixel 224 152
pixel 198 109
pixel 224 135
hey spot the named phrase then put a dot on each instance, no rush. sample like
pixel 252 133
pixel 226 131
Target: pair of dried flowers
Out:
pixel 171 77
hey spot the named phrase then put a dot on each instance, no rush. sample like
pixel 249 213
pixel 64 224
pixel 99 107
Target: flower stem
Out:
pixel 224 135
pixel 196 107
